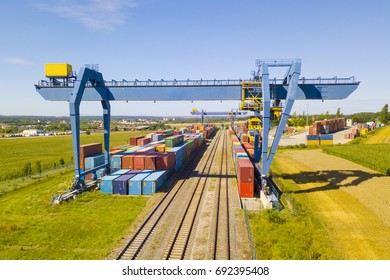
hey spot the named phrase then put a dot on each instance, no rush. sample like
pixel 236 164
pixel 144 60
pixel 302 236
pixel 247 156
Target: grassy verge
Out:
pixel 282 235
pixel 291 234
pixel 88 228
pixel 374 156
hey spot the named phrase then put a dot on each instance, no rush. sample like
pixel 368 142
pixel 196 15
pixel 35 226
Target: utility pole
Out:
pixel 307 114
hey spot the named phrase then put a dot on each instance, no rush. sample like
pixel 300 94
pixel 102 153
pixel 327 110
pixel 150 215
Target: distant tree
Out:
pixel 384 114
pixel 338 113
pixel 116 128
pixel 327 116
pixel 62 161
pixel 88 132
pixel 38 167
pixel 27 169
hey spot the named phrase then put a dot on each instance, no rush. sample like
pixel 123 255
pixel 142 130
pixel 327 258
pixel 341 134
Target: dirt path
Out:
pixel 352 201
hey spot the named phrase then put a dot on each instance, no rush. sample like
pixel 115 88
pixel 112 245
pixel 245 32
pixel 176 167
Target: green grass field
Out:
pixel 371 150
pixel 89 227
pixel 16 152
pixel 374 156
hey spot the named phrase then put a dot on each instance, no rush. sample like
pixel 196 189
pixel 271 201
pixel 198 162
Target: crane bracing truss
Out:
pixel 89 85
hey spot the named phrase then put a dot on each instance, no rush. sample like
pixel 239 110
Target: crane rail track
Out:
pixel 133 248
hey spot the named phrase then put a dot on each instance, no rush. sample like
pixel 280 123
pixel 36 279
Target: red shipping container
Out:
pixel 139 162
pixel 166 161
pixel 133 140
pixel 143 141
pixel 246 171
pixel 128 161
pixel 150 162
pixel 246 189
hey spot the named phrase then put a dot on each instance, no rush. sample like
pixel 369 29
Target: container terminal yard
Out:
pixel 204 191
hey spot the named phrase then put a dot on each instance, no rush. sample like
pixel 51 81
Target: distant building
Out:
pixel 33 132
pixel 349 122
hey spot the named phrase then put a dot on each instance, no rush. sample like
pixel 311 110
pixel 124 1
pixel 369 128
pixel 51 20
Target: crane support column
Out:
pixel 96 79
pixel 292 80
pixel 266 116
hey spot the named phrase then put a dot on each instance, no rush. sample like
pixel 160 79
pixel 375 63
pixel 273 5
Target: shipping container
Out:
pixel 150 162
pixel 116 161
pixel 166 161
pixel 160 148
pixel 143 141
pixel 94 161
pixel 133 140
pixel 128 161
pixel 246 170
pixel 174 141
pixel 106 183
pixel 154 182
pixel 135 183
pixel 157 137
pixel 116 152
pixel 89 150
pixel 246 189
pixel 120 171
pixel 148 149
pixel 121 183
pixel 139 162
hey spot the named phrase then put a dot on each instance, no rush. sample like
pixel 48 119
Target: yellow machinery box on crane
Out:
pixel 58 70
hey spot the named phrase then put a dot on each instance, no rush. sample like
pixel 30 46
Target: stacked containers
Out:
pixel 173 141
pixel 89 150
pixel 154 182
pixel 135 183
pixel 178 152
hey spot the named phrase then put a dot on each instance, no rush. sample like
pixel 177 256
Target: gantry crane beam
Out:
pixel 89 85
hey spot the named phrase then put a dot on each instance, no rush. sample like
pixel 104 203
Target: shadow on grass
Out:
pixel 335 179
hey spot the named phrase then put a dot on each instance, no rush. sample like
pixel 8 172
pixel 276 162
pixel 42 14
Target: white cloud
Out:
pixel 93 14
pixel 16 61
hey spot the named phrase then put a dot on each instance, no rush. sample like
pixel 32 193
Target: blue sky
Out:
pixel 180 39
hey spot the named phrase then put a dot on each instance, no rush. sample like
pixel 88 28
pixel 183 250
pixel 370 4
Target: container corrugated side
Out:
pixel 106 183
pixel 154 182
pixel 135 183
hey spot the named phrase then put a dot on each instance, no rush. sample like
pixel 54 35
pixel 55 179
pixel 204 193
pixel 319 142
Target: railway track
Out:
pixel 221 238
pixel 133 248
pixel 178 245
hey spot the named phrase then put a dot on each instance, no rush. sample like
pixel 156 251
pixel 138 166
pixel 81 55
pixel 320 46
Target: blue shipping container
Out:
pixel 120 172
pixel 326 136
pixel 120 183
pixel 312 137
pixel 154 182
pixel 157 137
pixel 106 183
pixel 135 183
pixel 116 161
pixel 92 162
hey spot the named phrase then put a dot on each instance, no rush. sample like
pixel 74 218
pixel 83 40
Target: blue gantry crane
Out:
pixel 231 114
pixel 259 94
